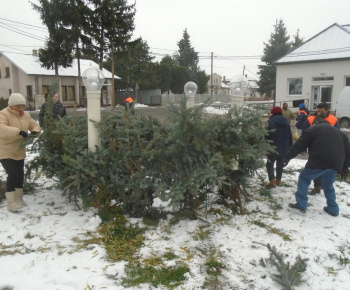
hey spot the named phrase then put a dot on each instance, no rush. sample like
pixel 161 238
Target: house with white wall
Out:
pixel 317 71
pixel 247 86
pixel 22 73
pixel 219 86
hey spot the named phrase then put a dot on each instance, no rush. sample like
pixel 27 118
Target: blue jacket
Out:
pixel 302 118
pixel 279 133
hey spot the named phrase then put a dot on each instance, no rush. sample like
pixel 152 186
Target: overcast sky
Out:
pixel 235 31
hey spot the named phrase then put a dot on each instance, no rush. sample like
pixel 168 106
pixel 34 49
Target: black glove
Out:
pixel 34 133
pixel 23 134
pixel 285 162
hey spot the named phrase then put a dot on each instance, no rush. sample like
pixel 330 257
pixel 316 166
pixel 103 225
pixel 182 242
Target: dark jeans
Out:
pixel 15 173
pixel 271 159
pixel 328 178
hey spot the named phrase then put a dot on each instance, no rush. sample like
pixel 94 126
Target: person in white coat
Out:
pixel 14 126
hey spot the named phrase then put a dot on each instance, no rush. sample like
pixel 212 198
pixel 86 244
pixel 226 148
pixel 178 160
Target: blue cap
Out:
pixel 302 105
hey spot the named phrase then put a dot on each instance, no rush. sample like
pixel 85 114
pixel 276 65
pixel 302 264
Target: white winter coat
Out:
pixel 10 125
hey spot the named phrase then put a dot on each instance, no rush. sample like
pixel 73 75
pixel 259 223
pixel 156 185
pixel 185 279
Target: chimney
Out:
pixel 224 81
pixel 35 52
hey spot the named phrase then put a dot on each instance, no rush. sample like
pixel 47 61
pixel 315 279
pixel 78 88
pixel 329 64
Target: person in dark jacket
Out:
pixel 58 110
pixel 301 118
pixel 329 154
pixel 281 138
pixel 322 108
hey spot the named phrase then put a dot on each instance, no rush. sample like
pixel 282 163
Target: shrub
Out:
pixel 141 158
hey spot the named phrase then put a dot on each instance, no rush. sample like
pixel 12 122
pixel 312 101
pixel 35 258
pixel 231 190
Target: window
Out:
pixel 347 81
pixel 82 92
pixel 68 93
pixel 7 72
pixel 45 90
pixel 322 79
pixel 64 93
pixel 295 86
pixel 71 94
pixel 29 92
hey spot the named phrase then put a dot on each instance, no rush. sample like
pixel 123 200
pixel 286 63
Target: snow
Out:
pixel 44 236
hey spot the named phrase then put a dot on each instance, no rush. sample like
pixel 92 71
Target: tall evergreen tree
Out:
pixel 202 81
pixel 187 57
pixel 114 23
pixel 165 68
pixel 132 61
pixel 180 76
pixel 297 41
pixel 59 47
pixel 277 47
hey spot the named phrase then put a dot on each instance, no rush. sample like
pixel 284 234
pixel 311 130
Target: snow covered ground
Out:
pixel 38 249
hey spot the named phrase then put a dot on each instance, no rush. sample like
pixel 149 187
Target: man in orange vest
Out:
pixel 129 103
pixel 322 108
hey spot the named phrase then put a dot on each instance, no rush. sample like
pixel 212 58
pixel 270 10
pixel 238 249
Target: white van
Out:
pixel 342 109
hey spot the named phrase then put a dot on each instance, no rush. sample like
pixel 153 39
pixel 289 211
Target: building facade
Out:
pixel 317 71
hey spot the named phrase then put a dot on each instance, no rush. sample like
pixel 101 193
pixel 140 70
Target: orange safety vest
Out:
pixel 129 100
pixel 302 111
pixel 330 118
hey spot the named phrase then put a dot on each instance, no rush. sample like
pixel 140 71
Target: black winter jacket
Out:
pixel 57 109
pixel 328 147
pixel 281 134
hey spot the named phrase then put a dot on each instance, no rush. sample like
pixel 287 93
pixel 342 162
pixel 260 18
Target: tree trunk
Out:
pixel 79 74
pixel 113 99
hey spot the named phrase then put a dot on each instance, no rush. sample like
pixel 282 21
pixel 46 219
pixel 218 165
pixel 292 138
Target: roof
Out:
pixel 30 65
pixel 224 86
pixel 333 43
pixel 249 82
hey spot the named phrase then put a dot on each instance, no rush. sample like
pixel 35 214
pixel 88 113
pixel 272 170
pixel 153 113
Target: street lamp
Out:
pixel 136 88
pixel 93 79
pixel 190 91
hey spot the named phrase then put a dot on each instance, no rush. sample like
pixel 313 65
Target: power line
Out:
pixel 23 33
pixel 12 47
pixel 23 23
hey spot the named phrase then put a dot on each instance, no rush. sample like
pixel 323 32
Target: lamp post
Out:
pixel 93 79
pixel 190 91
pixel 136 88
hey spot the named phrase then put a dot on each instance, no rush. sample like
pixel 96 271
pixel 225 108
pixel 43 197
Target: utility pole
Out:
pixel 211 77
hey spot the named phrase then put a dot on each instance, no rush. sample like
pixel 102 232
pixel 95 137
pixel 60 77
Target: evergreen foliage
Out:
pixel 297 41
pixel 3 103
pixel 277 47
pixel 187 56
pixel 289 275
pixel 140 159
pixel 59 46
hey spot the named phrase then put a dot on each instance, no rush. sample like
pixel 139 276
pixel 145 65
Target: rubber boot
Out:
pixel 278 182
pixel 19 196
pixel 272 184
pixel 316 190
pixel 12 205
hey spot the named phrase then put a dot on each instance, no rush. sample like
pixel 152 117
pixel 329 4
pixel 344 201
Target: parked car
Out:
pixel 342 109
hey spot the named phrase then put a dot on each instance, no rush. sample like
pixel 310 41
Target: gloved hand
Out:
pixel 34 133
pixel 285 162
pixel 23 134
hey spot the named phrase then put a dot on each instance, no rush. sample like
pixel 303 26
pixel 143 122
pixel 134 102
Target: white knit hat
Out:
pixel 16 99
